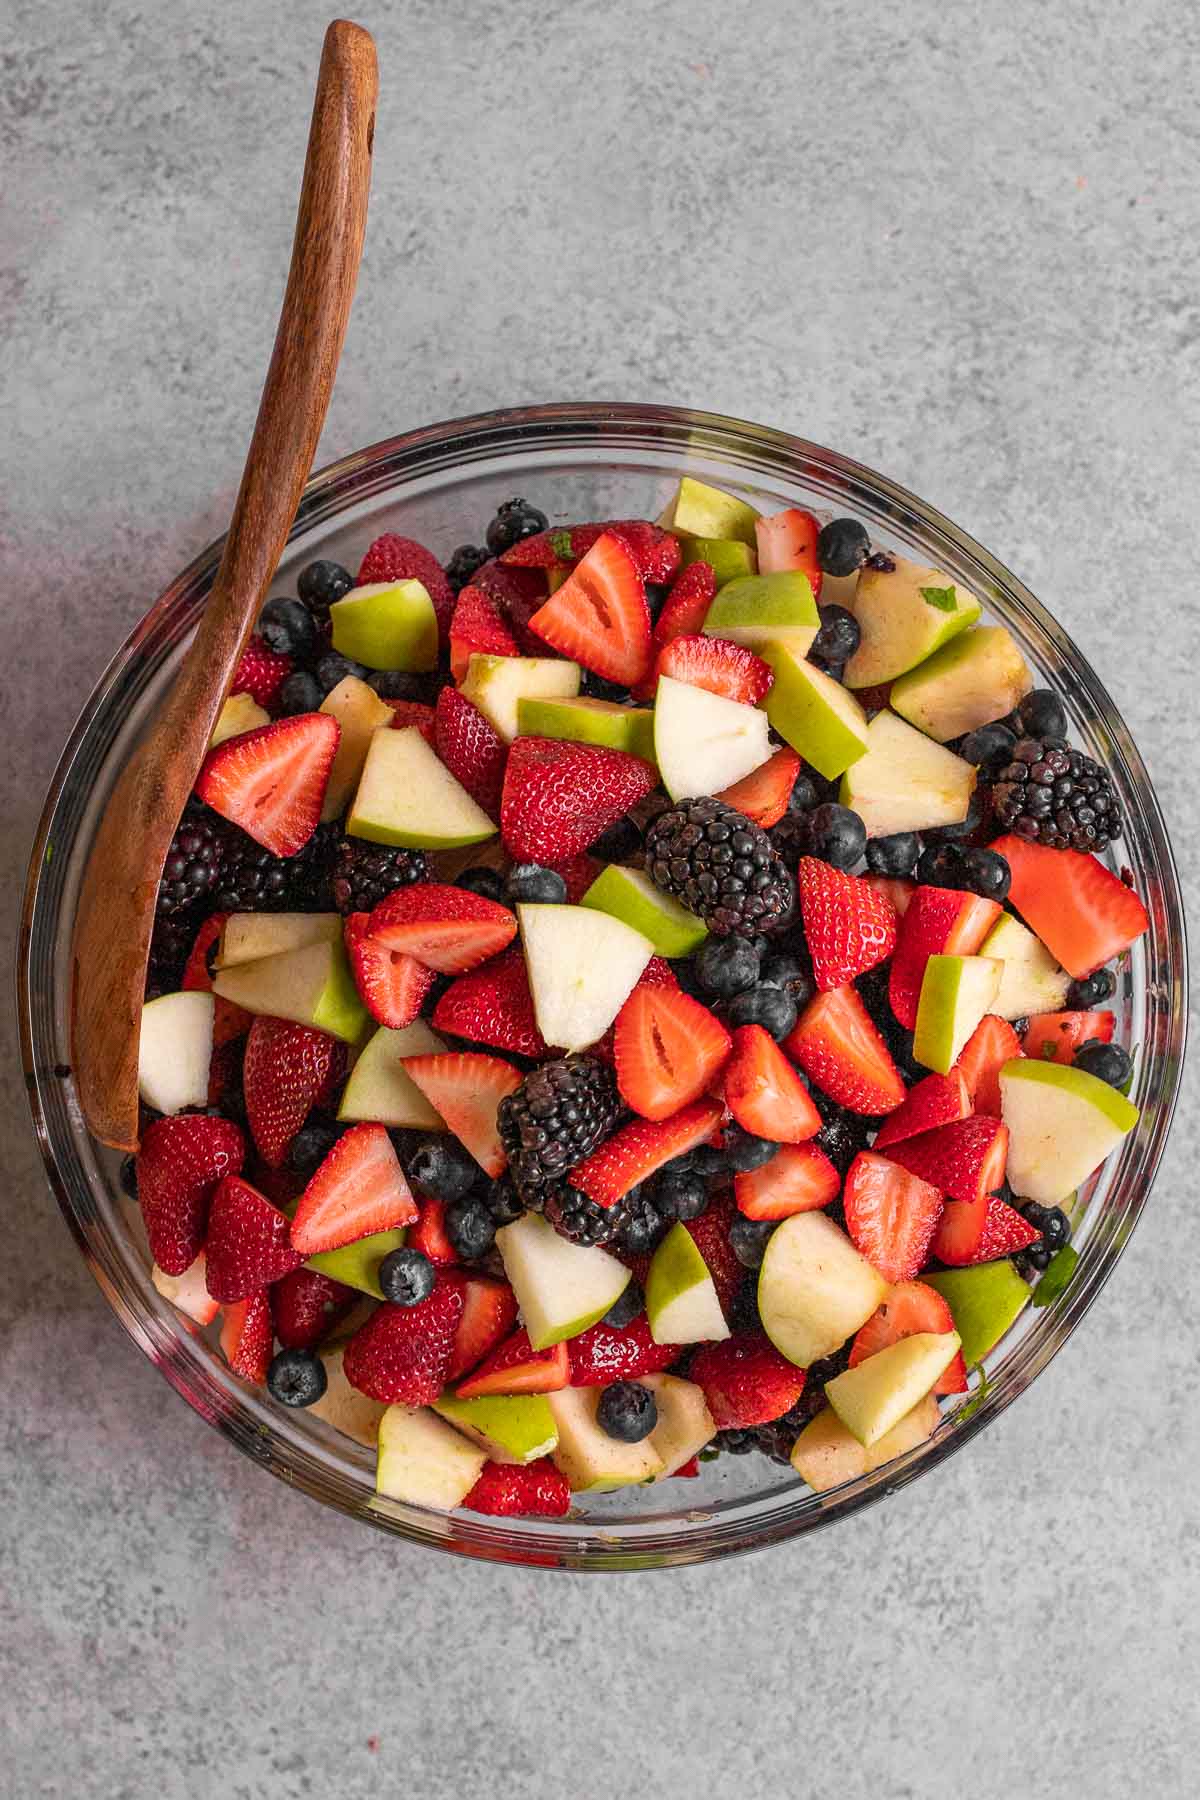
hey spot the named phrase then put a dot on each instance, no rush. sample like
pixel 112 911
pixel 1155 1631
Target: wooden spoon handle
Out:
pixel 115 916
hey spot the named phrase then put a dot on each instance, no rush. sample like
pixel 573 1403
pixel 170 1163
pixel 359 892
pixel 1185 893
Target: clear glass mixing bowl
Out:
pixel 440 485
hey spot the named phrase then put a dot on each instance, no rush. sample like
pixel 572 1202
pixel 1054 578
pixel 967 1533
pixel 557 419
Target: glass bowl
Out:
pixel 440 485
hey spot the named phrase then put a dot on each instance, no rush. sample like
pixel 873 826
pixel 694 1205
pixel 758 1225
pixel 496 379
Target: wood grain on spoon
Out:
pixel 120 885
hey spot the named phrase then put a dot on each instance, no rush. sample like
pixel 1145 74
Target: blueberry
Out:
pixel 470 1227
pixel 309 1148
pixel 1107 1062
pixel 896 855
pixel 771 1007
pixel 597 687
pixel 742 1151
pixel 1035 1258
pixel 680 1195
pixel 627 1412
pixel 617 842
pixel 644 1228
pixel 514 520
pixel 530 885
pixel 464 563
pixel 626 1307
pixel 726 966
pixel 790 974
pixel 748 1239
pixel 334 668
pixel 287 627
pixel 842 546
pixel 989 745
pixel 502 1201
pixel 321 583
pixel 406 1276
pixel 835 834
pixel 296 1377
pixel 398 684
pixel 1042 714
pixel 300 693
pixel 985 872
pixel 1083 996
pixel 657 594
pixel 805 795
pixel 442 1168
pixel 489 883
pixel 837 640
pixel 940 865
pixel 949 834
pixel 1056 1228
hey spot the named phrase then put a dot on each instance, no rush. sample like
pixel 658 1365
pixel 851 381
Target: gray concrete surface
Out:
pixel 960 242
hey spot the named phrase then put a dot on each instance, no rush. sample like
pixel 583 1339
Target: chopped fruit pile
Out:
pixel 608 1009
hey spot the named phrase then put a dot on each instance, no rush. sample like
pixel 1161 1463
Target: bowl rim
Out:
pixel 459 441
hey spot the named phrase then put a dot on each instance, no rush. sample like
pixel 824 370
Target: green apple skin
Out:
pixel 1062 1123
pixel 814 1288
pixel 583 965
pixel 248 937
pixel 380 1091
pixel 681 1300
pixel 312 986
pixel 360 713
pixel 956 991
pixel 631 896
pixel 496 686
pixel 387 625
pixel 700 511
pixel 512 1428
pixel 592 1461
pixel 1032 981
pixel 424 1461
pixel 729 560
pixel 406 796
pixel 984 1302
pixel 240 713
pixel 561 1288
pixel 872 1398
pixel 899 626
pixel 906 782
pixel 175 1050
pixel 357 1264
pixel 763 609
pixel 586 721
pixel 814 714
pixel 975 678
pixel 702 741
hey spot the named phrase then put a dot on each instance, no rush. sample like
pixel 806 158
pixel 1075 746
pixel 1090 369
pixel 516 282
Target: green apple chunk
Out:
pixel 496 686
pixel 381 1091
pixel 406 796
pixel 561 1287
pixel 1032 981
pixel 728 559
pixel 685 1424
pixel 592 1461
pixel 174 1051
pixel 387 625
pixel 814 713
pixel 357 1264
pixel 871 1399
pixel 975 678
pixel 826 1454
pixel 905 613
pixel 814 1289
pixel 584 721
pixel 360 713
pixel 766 609
pixel 423 1460
pixel 956 991
pixel 583 965
pixel 512 1428
pixel 240 713
pixel 681 1298
pixel 1062 1123
pixel 630 895
pixel 312 985
pixel 703 743
pixel 697 510
pixel 356 1415
pixel 248 937
pixel 906 782
pixel 984 1301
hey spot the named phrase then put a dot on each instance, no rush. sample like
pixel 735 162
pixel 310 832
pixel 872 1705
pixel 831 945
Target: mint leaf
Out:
pixel 708 1455
pixel 945 599
pixel 979 1396
pixel 560 543
pixel 1058 1274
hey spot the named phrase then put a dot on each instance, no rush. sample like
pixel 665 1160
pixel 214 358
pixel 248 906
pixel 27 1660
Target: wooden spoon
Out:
pixel 120 885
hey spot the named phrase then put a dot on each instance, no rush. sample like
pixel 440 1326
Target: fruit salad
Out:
pixel 631 995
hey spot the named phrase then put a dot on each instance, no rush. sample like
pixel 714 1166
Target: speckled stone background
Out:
pixel 959 242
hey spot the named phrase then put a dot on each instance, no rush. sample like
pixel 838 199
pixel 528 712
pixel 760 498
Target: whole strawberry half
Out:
pixel 395 558
pixel 305 1307
pixel 261 673
pixel 687 604
pixel 249 1242
pixel 477 629
pixel 288 1069
pixel 179 1166
pixel 763 1091
pixel 558 796
pixel 536 1490
pixel 606 1353
pixel 471 749
pixel 849 927
pixel 402 1353
pixel 414 712
pixel 891 1215
pixel 272 781
pixel 447 928
pixel 248 1337
pixel 711 1235
pixel 745 1380
pixel 493 1005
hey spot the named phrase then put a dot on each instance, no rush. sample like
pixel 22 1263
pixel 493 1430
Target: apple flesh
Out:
pixel 386 625
pixel 496 686
pixel 814 1288
pixel 872 1398
pixel 975 678
pixel 174 1051
pixel 585 721
pixel 561 1287
pixel 407 797
pixel 512 1428
pixel 814 714
pixel 583 965
pixel 631 896
pixel 905 613
pixel 984 1301
pixel 685 1424
pixel 766 609
pixel 956 991
pixel 906 782
pixel 1032 981
pixel 423 1460
pixel 698 511
pixel 240 713
pixel 360 713
pixel 826 1454
pixel 188 1292
pixel 381 1091
pixel 312 986
pixel 356 1265
pixel 356 1415
pixel 592 1461
pixel 681 1298
pixel 1062 1123
pixel 703 742
pixel 248 937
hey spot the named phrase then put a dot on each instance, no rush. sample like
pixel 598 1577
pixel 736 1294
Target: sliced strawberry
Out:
pixel 477 629
pixel 599 615
pixel 992 1043
pixel 288 1069
pixel 391 985
pixel 358 1189
pixel 895 889
pixel 763 795
pixel 716 665
pixel 654 551
pixel 179 1165
pixel 848 926
pixel 428 1235
pixel 1055 1037
pixel 799 1178
pixel 839 1049
pixel 395 558
pixel 788 540
pixel 745 1380
pixel 230 1021
pixel 975 1231
pixel 272 781
pixel 516 594
pixel 535 1490
pixel 938 922
pixel 965 1160
pixel 248 1336
pixel 489 1315
pixel 657 973
pixel 687 604
pixel 261 673
pixel 414 712
pixel 891 1215
pixel 910 1308
pixel 447 928
pixel 607 1353
pixel 306 1306
pixel 249 1242
pixel 689 1470
pixel 1083 913
pixel 637 1150
pixel 514 1367
pixel 711 1235
pixel 763 1091
pixel 400 1356
pixel 668 1050
pixel 493 1005
pixel 558 796
pixel 937 1100
pixel 471 749
pixel 578 872
pixel 466 1089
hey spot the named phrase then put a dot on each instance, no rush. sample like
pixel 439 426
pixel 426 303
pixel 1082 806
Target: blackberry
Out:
pixel 364 873
pixel 644 1225
pixel 514 520
pixel 557 1116
pixel 193 862
pixel 1051 794
pixel 581 1221
pixel 464 563
pixel 836 834
pixel 719 865
pixel 252 879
